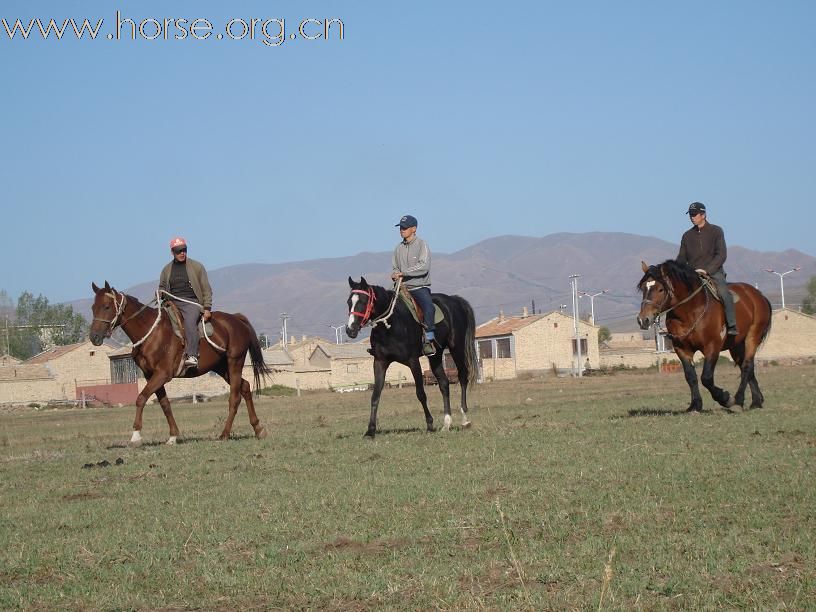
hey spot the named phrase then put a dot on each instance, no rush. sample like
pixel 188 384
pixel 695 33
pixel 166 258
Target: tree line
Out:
pixel 34 324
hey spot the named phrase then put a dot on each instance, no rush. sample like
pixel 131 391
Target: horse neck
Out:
pixel 137 327
pixel 382 301
pixel 681 292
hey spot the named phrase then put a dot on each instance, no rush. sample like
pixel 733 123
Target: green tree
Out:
pixel 38 324
pixel 604 335
pixel 809 303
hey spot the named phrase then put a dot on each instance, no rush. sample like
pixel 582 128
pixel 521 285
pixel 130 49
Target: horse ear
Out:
pixel 107 286
pixel 351 283
pixel 644 266
pixel 94 287
pixel 363 283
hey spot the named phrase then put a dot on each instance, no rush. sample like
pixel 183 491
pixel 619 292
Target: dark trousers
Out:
pixel 191 314
pixel 727 299
pixel 423 298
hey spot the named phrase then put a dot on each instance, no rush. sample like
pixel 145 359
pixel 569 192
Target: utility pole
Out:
pixel 284 338
pixel 781 276
pixel 592 297
pixel 574 284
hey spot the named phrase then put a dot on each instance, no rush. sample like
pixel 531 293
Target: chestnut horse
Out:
pixel 397 336
pixel 158 351
pixel 696 322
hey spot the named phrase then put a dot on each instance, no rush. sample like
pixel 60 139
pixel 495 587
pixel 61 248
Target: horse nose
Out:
pixel 351 333
pixel 643 322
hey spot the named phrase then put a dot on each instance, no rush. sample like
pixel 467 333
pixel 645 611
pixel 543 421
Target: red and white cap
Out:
pixel 178 241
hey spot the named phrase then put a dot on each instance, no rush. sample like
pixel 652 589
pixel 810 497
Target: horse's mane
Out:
pixel 675 271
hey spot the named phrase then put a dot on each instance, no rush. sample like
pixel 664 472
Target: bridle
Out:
pixel 120 308
pixel 668 295
pixel 365 316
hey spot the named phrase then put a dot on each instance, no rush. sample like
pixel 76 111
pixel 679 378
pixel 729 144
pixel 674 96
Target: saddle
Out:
pixel 177 323
pixel 416 311
pixel 711 287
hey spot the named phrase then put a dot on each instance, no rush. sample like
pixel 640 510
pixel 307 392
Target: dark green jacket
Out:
pixel 198 279
pixel 704 248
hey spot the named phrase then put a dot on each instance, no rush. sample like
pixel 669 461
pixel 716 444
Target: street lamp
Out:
pixel 338 335
pixel 592 297
pixel 781 276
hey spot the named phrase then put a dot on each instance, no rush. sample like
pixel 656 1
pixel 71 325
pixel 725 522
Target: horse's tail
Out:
pixel 770 320
pixel 259 368
pixel 471 361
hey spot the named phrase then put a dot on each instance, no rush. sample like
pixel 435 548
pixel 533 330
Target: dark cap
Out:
pixel 696 207
pixel 406 222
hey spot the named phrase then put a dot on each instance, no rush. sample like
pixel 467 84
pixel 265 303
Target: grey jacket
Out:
pixel 198 280
pixel 413 259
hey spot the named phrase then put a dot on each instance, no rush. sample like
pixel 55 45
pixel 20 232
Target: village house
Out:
pixel 55 374
pixel 510 346
pixel 792 338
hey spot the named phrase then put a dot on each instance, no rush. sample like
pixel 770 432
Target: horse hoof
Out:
pixel 171 441
pixel 466 425
pixel 223 437
pixel 730 402
pixel 260 434
pixel 369 434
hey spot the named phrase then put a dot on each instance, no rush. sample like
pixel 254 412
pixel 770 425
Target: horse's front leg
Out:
pixel 686 360
pixel 721 396
pixel 164 402
pixel 416 370
pixel 155 381
pixel 380 367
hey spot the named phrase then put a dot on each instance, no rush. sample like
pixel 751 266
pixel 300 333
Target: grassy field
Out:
pixel 565 494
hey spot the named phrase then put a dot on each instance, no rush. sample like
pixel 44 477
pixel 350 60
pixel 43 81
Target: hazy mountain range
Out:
pixel 504 273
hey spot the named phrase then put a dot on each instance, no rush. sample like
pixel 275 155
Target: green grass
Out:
pixel 563 492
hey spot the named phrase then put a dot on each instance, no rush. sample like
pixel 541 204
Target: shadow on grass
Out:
pixel 185 440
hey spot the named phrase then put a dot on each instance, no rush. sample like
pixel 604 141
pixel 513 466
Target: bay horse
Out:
pixel 696 322
pixel 397 336
pixel 158 351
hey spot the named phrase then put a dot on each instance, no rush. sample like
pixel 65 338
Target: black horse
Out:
pixel 397 336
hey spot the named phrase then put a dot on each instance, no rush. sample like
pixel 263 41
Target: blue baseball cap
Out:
pixel 406 222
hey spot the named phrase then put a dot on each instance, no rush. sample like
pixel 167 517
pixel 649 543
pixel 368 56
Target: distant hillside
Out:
pixel 506 272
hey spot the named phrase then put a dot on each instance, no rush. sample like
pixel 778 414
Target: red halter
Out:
pixel 369 306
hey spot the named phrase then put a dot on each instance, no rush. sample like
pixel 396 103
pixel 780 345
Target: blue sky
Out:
pixel 480 119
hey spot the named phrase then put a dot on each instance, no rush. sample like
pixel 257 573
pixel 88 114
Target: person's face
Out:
pixel 408 233
pixel 180 254
pixel 697 219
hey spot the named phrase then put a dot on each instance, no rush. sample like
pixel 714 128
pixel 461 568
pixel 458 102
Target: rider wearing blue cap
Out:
pixel 412 263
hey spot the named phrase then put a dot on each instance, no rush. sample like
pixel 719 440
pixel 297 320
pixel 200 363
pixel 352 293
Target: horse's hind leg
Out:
pixel 464 379
pixel 246 393
pixel 416 370
pixel 757 399
pixel 438 369
pixel 233 377
pixel 738 355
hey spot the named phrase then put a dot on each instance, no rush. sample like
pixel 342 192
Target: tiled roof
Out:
pixel 53 353
pixel 347 351
pixel 507 326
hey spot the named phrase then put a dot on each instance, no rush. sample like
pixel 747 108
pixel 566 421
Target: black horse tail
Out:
pixel 259 368
pixel 471 361
pixel 770 320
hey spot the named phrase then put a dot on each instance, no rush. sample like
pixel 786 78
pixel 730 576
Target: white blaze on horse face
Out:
pixel 354 300
pixel 650 284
